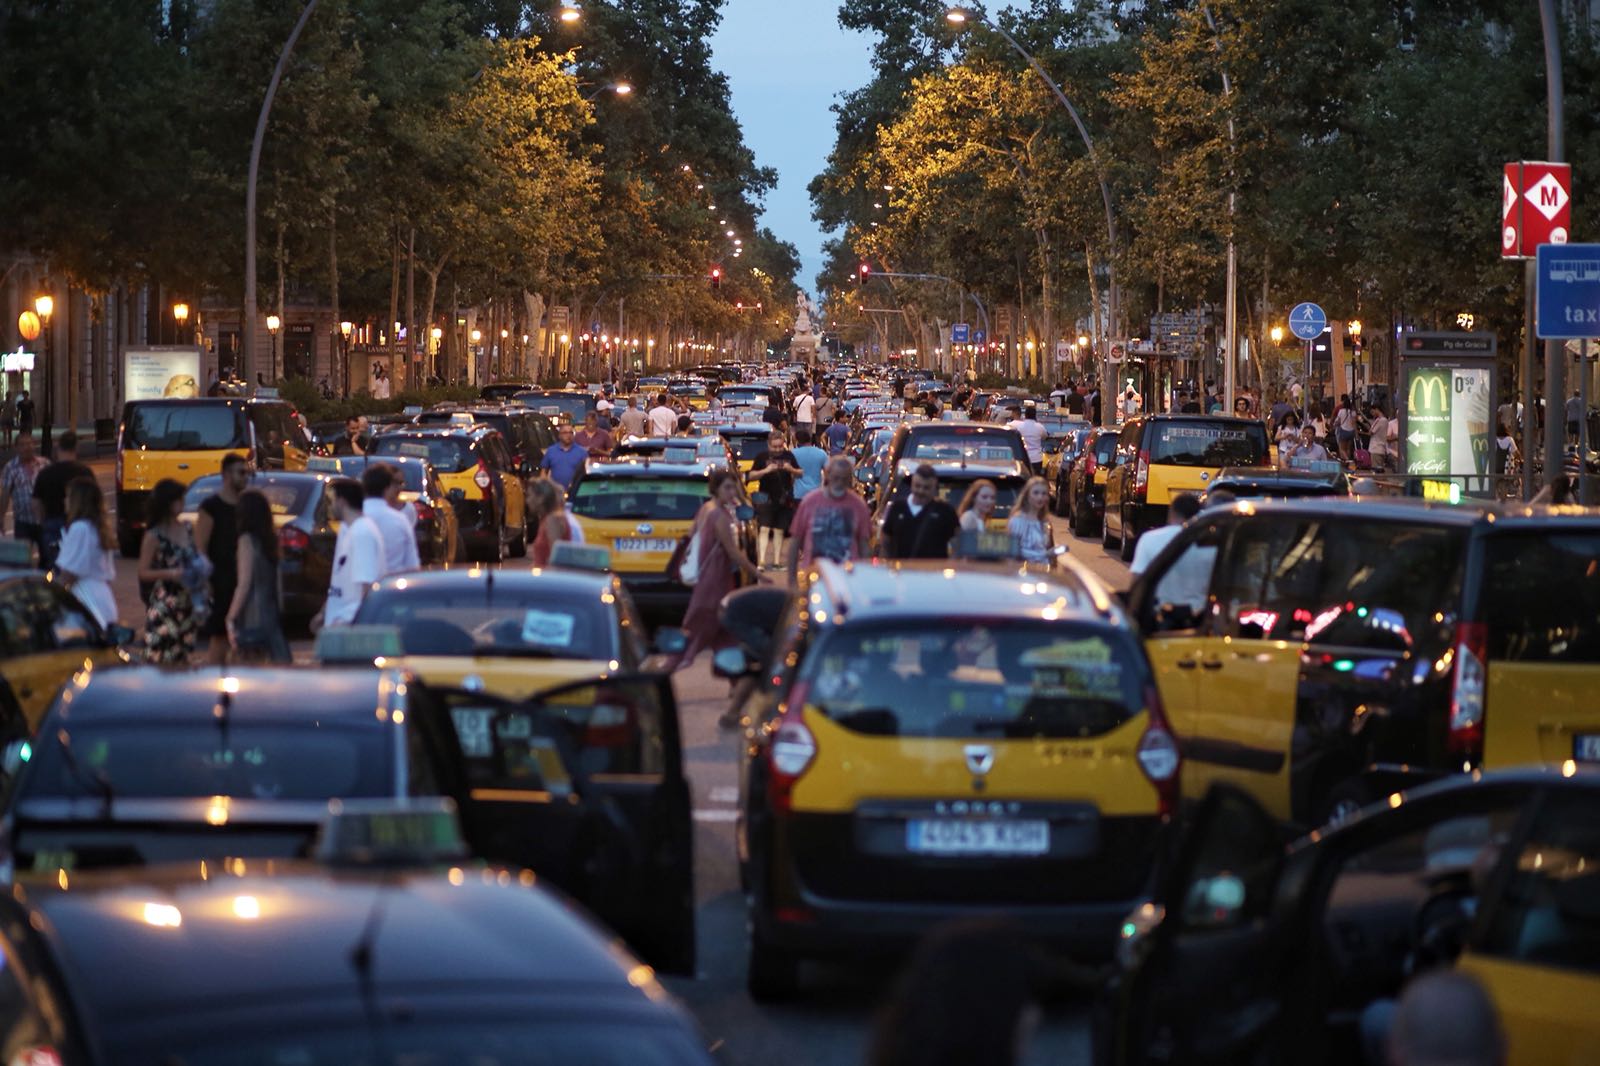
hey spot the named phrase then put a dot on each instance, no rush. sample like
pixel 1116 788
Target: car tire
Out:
pixel 1126 551
pixel 519 545
pixel 772 974
pixel 1105 535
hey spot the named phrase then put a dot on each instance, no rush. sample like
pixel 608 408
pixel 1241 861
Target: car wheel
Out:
pixel 1129 539
pixel 1105 535
pixel 773 974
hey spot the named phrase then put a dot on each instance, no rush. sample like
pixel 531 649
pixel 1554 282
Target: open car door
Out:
pixel 1204 991
pixel 584 785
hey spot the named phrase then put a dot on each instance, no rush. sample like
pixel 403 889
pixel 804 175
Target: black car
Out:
pixel 393 948
pixel 560 405
pixel 1085 499
pixel 527 433
pixel 439 540
pixel 302 511
pixel 1257 482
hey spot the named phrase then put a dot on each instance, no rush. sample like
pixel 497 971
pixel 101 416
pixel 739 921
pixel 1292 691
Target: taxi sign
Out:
pixel 1441 491
pixel 576 556
pixel 358 644
pixel 387 833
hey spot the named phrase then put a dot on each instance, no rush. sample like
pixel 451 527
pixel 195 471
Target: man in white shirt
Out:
pixel 1188 581
pixel 357 557
pixel 805 412
pixel 663 419
pixel 381 483
pixel 1032 432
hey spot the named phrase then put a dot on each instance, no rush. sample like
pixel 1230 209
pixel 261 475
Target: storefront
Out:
pixel 17 368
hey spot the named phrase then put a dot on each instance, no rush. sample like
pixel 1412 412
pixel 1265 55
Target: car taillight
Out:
pixel 482 479
pixel 1158 754
pixel 291 539
pixel 117 470
pixel 791 750
pixel 424 511
pixel 1465 737
pixel 1141 472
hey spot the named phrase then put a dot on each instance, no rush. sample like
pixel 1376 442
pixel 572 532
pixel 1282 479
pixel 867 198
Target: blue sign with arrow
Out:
pixel 960 332
pixel 1307 321
pixel 978 336
pixel 1568 277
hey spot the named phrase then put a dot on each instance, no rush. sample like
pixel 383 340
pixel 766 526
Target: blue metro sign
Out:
pixel 1568 280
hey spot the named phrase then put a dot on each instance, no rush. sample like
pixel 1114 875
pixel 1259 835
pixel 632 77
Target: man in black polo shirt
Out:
pixel 922 525
pixel 50 492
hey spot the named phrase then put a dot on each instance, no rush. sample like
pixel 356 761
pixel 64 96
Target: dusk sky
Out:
pixel 786 61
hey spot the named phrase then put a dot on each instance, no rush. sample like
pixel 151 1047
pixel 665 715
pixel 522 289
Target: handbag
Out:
pixel 684 565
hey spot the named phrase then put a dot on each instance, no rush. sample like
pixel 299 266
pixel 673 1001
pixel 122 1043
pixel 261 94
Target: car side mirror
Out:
pixel 732 663
pixel 671 640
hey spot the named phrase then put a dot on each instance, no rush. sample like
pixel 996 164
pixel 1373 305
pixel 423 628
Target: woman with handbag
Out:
pixel 255 617
pixel 175 609
pixel 717 563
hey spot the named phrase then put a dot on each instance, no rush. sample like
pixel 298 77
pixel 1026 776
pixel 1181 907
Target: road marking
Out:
pixel 725 794
pixel 716 814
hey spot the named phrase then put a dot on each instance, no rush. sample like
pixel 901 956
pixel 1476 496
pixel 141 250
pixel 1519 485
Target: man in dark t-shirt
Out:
pixel 50 491
pixel 921 526
pixel 774 470
pixel 216 535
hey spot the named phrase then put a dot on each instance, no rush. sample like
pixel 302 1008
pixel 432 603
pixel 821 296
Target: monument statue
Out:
pixel 804 345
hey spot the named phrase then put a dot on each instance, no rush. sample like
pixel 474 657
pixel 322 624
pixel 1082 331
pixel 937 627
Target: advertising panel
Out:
pixel 161 373
pixel 1448 429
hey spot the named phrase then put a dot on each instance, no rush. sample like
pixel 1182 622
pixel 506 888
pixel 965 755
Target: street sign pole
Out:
pixel 1308 322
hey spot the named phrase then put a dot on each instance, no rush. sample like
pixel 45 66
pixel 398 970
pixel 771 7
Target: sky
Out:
pixel 786 61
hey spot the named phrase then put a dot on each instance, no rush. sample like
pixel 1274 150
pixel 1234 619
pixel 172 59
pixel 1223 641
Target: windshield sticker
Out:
pixel 418 451
pixel 1204 433
pixel 548 628
pixel 472 731
pixel 1089 652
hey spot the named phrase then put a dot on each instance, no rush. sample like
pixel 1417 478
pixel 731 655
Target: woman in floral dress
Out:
pixel 167 559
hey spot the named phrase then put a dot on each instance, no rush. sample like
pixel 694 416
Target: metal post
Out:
pixel 1305 387
pixel 247 330
pixel 1554 351
pixel 1529 421
pixel 1583 422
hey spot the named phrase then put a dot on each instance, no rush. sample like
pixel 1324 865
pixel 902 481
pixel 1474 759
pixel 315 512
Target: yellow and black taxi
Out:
pixel 925 743
pixel 527 433
pixel 582 783
pixel 955 479
pixel 438 530
pixel 46 636
pixel 334 974
pixel 639 508
pixel 747 440
pixel 955 441
pixel 1160 456
pixel 1320 653
pixel 1084 502
pixel 186 439
pixel 1253 951
pixel 479 479
pixel 302 511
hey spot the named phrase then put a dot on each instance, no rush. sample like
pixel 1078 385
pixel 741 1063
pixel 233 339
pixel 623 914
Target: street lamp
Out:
pixel 620 88
pixel 1277 336
pixel 345 329
pixel 44 306
pixel 960 15
pixel 1355 337
pixel 274 323
pixel 570 13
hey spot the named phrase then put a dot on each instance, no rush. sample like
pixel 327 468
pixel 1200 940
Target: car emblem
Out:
pixel 472 683
pixel 980 759
pixel 644 529
pixel 1205 476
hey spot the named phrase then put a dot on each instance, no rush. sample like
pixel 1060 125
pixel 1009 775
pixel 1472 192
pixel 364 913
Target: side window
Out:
pixel 424 781
pixel 1180 597
pixel 269 437
pixel 16 622
pixel 1268 579
pixel 1549 914
pixel 65 619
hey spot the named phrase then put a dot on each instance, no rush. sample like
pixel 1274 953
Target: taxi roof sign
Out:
pixel 418 832
pixel 358 644
pixel 1441 491
pixel 575 556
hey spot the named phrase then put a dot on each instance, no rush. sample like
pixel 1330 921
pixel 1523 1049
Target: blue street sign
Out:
pixel 978 336
pixel 1568 277
pixel 1307 321
pixel 594 329
pixel 960 332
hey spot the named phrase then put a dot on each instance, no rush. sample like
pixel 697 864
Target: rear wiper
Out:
pixel 97 781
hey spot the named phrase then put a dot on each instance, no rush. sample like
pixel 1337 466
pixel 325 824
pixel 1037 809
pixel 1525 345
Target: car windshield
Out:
pixel 954 490
pixel 654 498
pixel 559 407
pixel 1542 596
pixel 746 445
pixel 965 442
pixel 752 395
pixel 283 496
pixel 449 455
pixel 944 677
pixel 309 760
pixel 504 622
pixel 186 426
pixel 1196 443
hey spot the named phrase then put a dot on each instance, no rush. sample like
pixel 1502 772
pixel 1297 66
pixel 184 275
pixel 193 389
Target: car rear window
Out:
pixel 449 455
pixel 180 760
pixel 746 445
pixel 1541 596
pixel 950 678
pixel 655 498
pixel 560 408
pixel 1105 448
pixel 180 427
pixel 1197 443
pixel 501 624
pixel 284 497
pixel 953 491
pixel 965 442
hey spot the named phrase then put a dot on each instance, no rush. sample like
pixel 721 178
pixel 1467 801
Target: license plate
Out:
pixel 1586 747
pixel 644 544
pixel 950 836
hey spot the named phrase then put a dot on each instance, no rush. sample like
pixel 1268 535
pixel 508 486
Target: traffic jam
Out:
pixel 1252 755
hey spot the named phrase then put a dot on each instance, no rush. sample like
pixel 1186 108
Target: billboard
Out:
pixel 161 373
pixel 1447 427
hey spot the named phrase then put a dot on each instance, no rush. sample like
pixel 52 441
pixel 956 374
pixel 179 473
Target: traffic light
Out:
pixel 716 278
pixel 863 274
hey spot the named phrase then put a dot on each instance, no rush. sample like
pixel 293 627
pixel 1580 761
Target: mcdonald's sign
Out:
pixel 1446 427
pixel 1429 394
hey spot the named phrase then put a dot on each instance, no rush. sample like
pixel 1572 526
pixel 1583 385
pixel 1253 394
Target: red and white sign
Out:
pixel 1535 207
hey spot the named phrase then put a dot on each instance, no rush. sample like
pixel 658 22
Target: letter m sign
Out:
pixel 1536 207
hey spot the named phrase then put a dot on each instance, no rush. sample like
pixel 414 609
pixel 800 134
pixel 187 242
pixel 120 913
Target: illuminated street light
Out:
pixel 1277 335
pixel 45 306
pixel 570 13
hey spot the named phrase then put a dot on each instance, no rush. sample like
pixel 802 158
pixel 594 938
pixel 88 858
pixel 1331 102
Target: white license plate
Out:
pixel 645 544
pixel 951 836
pixel 1586 747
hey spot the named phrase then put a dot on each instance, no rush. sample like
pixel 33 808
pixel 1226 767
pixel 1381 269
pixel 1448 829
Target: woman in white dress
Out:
pixel 86 565
pixel 1029 523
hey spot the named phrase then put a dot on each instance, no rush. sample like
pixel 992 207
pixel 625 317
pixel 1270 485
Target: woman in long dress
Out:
pixel 167 557
pixel 721 561
pixel 86 564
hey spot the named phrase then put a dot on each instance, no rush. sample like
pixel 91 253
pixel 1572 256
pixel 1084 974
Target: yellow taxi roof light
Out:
pixel 574 556
pixel 419 832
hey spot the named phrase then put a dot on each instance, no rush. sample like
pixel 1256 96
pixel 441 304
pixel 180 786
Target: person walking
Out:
pixel 593 438
pixel 978 506
pixel 830 523
pixel 1574 411
pixel 1507 456
pixel 254 620
pixel 8 418
pixel 827 408
pixel 381 485
pixel 216 535
pixel 635 423
pixel 85 564
pixel 16 489
pixel 721 563
pixel 1029 524
pixel 922 525
pixel 805 413
pixel 50 495
pixel 24 413
pixel 811 460
pixel 662 418
pixel 552 521
pixel 170 565
pixel 1378 439
pixel 564 461
pixel 838 436
pixel 1031 430
pixel 1345 424
pixel 357 557
pixel 774 471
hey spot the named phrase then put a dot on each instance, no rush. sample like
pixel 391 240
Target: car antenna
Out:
pixel 97 780
pixel 362 956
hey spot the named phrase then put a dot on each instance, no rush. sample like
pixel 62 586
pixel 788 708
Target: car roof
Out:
pixel 181 694
pixel 555 581
pixel 1174 416
pixel 858 592
pixel 1270 475
pixel 1469 512
pixel 281 476
pixel 446 429
pixel 438 931
pixel 645 465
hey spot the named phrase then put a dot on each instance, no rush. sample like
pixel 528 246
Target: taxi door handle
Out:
pixel 1212 664
pixel 1185 664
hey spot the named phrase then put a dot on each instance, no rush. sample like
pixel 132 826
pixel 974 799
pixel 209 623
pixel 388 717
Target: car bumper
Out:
pixel 656 593
pixel 131 508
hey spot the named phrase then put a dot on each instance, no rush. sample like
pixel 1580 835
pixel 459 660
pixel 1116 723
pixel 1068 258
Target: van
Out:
pixel 186 439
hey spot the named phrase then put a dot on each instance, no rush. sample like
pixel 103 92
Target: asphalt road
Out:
pixel 828 1024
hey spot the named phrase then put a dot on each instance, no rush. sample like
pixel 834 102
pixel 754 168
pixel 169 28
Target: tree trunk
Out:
pixel 396 356
pixel 277 341
pixel 339 368
pixel 439 369
pixel 402 377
